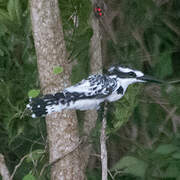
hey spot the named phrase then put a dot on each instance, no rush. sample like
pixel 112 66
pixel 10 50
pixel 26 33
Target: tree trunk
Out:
pixel 51 52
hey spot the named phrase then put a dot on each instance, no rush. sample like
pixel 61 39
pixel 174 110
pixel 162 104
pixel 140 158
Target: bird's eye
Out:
pixel 132 74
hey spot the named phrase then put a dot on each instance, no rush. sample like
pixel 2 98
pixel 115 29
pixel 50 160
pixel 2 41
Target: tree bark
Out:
pixel 51 52
pixel 4 172
pixel 104 158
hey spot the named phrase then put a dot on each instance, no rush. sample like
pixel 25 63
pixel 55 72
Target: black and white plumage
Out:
pixel 89 93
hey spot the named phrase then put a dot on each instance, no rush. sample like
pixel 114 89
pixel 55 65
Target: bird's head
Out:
pixel 130 76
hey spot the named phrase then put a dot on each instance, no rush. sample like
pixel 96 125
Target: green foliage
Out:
pixel 77 31
pixel 167 162
pixel 139 13
pixel 147 37
pixel 33 93
pixel 131 165
pixel 29 177
pixel 81 70
pixel 166 149
pixel 164 66
pixel 35 155
pixel 176 155
pixel 173 95
pixel 93 175
pixel 14 10
pixel 18 73
pixel 161 162
pixel 57 70
pixel 20 136
pixel 122 110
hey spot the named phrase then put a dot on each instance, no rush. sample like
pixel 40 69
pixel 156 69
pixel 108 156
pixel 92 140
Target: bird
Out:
pixel 89 93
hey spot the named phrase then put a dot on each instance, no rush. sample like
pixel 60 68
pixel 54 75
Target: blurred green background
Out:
pixel 143 128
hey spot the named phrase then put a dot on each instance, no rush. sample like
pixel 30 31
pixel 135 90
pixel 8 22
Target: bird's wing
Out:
pixel 95 86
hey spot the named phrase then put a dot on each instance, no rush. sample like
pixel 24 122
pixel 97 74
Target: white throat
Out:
pixel 126 82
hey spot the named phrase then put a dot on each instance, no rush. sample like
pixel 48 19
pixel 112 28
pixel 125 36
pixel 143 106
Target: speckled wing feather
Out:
pixel 95 86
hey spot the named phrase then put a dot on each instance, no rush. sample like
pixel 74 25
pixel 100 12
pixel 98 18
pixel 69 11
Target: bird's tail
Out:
pixel 47 104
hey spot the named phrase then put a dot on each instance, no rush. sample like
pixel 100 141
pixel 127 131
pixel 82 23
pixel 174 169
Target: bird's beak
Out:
pixel 147 78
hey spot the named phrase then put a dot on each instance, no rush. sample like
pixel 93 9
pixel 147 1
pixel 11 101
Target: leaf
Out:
pixel 3 30
pixel 1 53
pixel 178 178
pixel 165 149
pixel 33 93
pixel 29 177
pixel 173 94
pixel 35 155
pixel 176 155
pixel 4 15
pixel 18 11
pixel 11 9
pixel 172 171
pixel 131 165
pixel 57 70
pixel 164 66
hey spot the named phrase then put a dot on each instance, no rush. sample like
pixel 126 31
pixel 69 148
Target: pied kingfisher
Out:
pixel 89 93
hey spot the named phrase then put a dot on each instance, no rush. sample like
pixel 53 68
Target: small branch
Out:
pixel 171 113
pixel 109 172
pixel 108 29
pixel 3 169
pixel 173 27
pixel 18 165
pixel 59 158
pixel 137 34
pixel 103 145
pixel 164 124
pixel 174 82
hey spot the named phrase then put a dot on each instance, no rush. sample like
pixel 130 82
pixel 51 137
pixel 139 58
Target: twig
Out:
pixel 59 158
pixel 3 169
pixel 172 26
pixel 137 34
pixel 109 172
pixel 103 145
pixel 174 82
pixel 170 115
pixel 163 125
pixel 17 166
